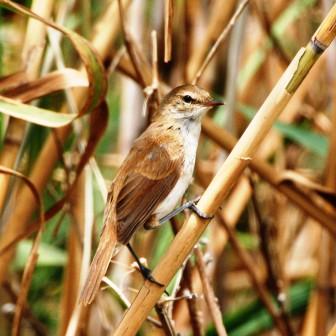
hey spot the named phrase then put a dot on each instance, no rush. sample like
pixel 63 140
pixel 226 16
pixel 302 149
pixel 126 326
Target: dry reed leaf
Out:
pixel 13 80
pixel 52 82
pixel 219 16
pixel 30 230
pixel 72 272
pixel 209 294
pixel 31 263
pixel 152 100
pixel 289 177
pixel 219 41
pixel 132 51
pixel 91 61
pixel 168 30
pixel 34 114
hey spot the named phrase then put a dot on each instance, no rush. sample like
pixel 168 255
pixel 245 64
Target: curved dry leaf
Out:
pixel 34 114
pixel 52 82
pixel 292 177
pixel 31 262
pixel 13 80
pixel 93 66
pixel 25 234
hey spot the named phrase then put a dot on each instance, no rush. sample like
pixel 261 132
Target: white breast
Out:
pixel 190 131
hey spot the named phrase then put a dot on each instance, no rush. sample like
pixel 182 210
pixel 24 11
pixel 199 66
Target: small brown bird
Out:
pixel 152 179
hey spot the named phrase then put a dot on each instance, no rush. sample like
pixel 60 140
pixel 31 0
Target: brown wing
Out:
pixel 151 174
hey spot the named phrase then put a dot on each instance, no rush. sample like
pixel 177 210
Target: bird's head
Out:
pixel 187 102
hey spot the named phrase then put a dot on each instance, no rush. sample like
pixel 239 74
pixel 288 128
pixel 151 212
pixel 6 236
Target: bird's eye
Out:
pixel 187 99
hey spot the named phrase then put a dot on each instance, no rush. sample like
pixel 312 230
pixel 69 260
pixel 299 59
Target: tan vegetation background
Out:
pixel 70 111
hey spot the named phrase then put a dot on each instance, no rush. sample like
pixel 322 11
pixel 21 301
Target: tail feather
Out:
pixel 99 265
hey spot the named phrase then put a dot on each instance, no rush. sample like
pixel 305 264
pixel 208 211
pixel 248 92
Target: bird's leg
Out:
pixel 146 272
pixel 188 205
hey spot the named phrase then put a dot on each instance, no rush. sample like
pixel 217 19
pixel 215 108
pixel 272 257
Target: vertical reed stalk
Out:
pixel 73 269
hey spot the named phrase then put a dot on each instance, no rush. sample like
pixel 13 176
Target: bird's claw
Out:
pixel 197 211
pixel 147 274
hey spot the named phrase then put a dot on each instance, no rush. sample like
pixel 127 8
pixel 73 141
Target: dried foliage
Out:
pixel 81 79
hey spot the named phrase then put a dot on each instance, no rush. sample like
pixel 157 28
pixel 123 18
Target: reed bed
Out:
pixel 81 79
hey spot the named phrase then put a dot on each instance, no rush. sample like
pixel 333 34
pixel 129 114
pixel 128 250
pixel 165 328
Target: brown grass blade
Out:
pixel 129 43
pixel 218 42
pixel 31 263
pixel 219 17
pixel 209 294
pixel 71 282
pixel 327 193
pixel 13 80
pixel 52 82
pixel 168 30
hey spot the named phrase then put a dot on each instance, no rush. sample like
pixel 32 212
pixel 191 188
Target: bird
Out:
pixel 152 179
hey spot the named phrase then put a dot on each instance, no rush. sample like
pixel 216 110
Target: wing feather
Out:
pixel 148 182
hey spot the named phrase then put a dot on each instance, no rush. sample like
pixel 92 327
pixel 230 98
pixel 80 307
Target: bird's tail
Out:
pixel 99 265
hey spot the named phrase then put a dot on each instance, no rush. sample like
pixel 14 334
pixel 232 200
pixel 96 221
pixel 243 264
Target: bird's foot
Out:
pixel 188 205
pixel 197 211
pixel 147 274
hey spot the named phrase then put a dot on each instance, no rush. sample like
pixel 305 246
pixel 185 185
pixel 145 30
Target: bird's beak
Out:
pixel 212 103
